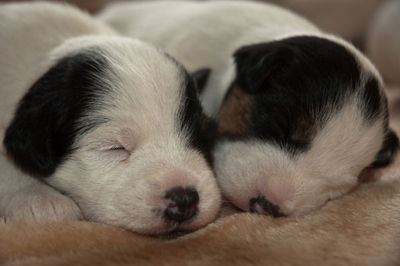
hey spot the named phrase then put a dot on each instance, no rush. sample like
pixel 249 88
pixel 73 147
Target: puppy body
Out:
pixel 23 50
pixel 301 112
pixel 206 35
pixel 108 121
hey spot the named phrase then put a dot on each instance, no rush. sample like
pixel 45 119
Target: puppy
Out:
pixel 108 128
pixel 301 112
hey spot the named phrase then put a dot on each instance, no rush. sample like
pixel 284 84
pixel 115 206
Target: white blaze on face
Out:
pixel 119 172
pixel 305 181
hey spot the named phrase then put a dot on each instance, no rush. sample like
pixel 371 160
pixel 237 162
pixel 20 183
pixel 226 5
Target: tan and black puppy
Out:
pixel 301 112
pixel 101 126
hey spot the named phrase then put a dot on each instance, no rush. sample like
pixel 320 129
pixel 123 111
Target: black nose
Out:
pixel 263 206
pixel 182 203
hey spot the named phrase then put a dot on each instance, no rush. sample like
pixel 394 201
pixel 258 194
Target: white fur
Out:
pixel 302 183
pixel 206 35
pixel 145 90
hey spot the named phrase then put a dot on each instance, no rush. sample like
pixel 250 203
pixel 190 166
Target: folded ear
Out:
pixel 388 151
pixel 256 63
pixel 200 77
pixel 43 128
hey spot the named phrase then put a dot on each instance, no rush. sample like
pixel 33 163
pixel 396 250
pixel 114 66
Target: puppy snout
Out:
pixel 182 203
pixel 261 205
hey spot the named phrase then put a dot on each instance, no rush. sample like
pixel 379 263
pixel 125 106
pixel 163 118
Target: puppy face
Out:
pixel 300 122
pixel 117 126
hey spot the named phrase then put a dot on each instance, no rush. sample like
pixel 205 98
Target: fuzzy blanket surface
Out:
pixel 361 228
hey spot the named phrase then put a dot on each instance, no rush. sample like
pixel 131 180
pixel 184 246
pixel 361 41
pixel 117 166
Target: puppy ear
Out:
pixel 200 77
pixel 388 151
pixel 43 128
pixel 256 63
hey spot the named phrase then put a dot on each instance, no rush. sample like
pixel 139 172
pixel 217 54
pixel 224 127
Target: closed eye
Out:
pixel 118 152
pixel 116 148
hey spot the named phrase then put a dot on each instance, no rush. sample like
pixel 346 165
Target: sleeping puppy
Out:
pixel 301 112
pixel 107 128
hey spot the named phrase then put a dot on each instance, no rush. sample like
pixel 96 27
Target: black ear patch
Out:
pixel 294 83
pixel 199 127
pixel 255 63
pixel 44 127
pixel 388 151
pixel 306 63
pixel 200 77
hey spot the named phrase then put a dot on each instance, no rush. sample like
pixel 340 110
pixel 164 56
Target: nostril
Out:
pixel 261 205
pixel 182 203
pixel 183 198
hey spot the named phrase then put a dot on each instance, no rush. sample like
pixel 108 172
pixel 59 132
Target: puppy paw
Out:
pixel 41 205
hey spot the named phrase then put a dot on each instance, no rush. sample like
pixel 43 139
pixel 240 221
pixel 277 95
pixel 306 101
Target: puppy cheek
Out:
pixel 111 195
pixel 134 207
pixel 306 199
pixel 315 193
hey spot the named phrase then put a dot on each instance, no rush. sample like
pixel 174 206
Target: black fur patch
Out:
pixel 388 152
pixel 377 104
pixel 374 104
pixel 297 83
pixel 44 127
pixel 201 128
pixel 201 78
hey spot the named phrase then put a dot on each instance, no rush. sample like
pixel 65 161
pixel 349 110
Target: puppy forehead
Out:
pixel 317 73
pixel 152 95
pixel 320 78
pixel 144 86
pixel 126 82
pixel 132 66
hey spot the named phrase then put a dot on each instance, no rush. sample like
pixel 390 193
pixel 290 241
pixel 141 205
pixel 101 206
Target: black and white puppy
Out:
pixel 301 112
pixel 111 128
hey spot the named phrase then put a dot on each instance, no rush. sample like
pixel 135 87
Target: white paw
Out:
pixel 42 204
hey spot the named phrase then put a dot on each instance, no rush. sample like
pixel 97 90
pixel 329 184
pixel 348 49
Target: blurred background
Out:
pixel 371 25
pixel 348 18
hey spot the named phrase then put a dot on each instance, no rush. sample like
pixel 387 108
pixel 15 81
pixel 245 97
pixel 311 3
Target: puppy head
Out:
pixel 117 126
pixel 302 119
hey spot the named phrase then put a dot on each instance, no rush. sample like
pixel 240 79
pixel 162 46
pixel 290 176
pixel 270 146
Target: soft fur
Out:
pixel 301 112
pixel 106 128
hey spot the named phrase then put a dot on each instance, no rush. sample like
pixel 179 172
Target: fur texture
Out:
pixel 301 112
pixel 107 126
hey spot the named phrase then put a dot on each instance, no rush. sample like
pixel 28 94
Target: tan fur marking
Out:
pixel 234 114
